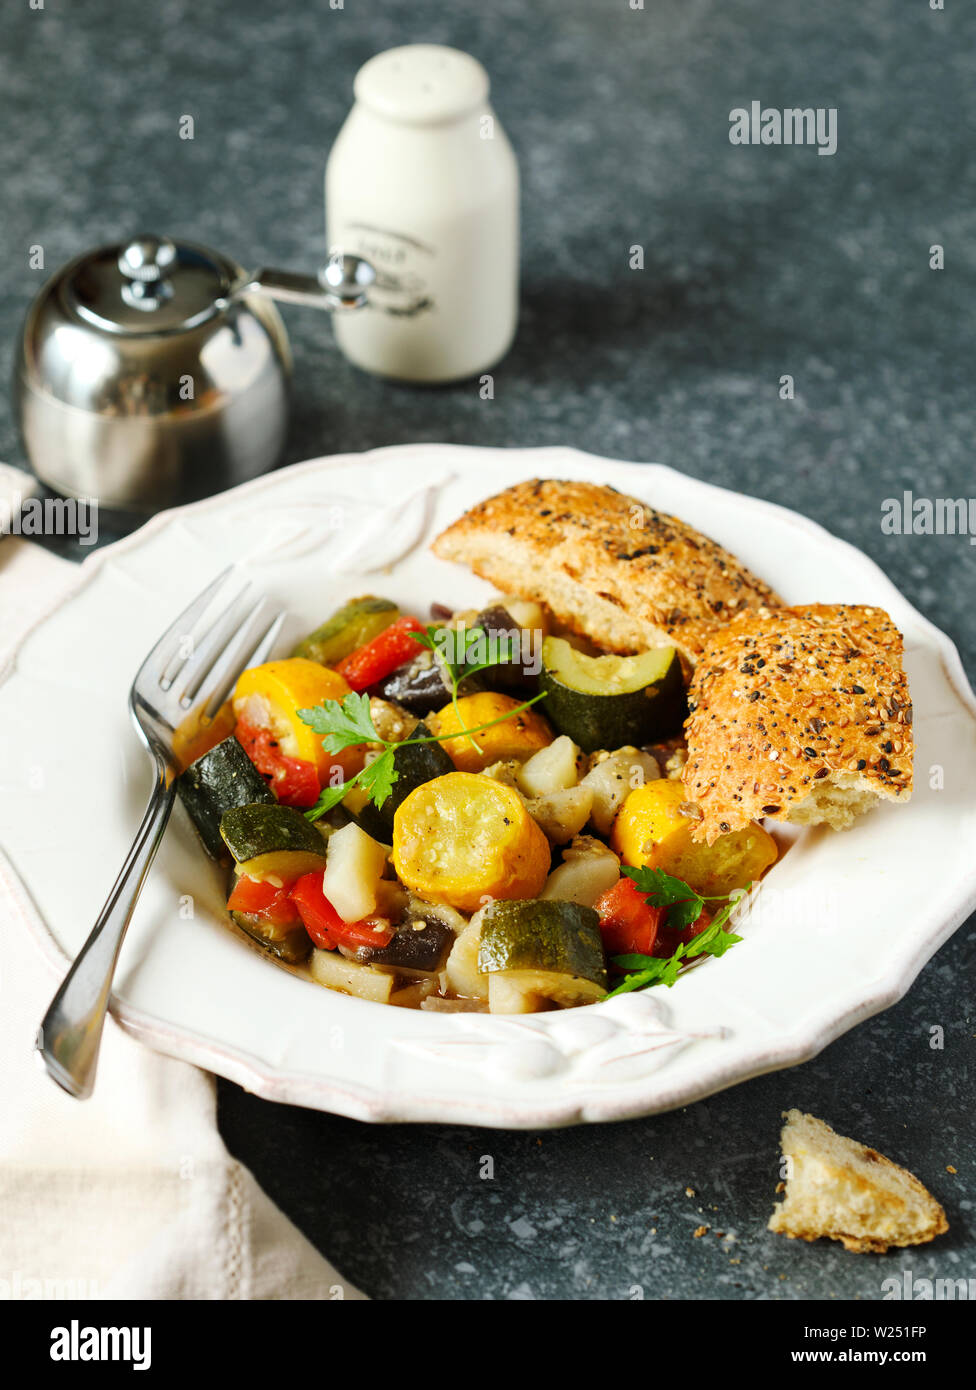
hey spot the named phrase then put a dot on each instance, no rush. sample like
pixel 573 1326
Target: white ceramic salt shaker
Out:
pixel 423 182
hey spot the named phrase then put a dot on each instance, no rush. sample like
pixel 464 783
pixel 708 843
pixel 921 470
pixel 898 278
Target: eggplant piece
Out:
pixel 420 947
pixel 420 685
pixel 415 764
pixel 515 676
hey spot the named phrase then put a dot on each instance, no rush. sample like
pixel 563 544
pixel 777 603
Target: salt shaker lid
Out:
pixel 422 84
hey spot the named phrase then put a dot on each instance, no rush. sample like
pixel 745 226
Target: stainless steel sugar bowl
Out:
pixel 155 371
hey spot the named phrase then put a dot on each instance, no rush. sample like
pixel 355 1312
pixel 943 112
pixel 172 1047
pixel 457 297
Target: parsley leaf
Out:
pixel 662 890
pixel 467 650
pixel 344 724
pixel 349 723
pixel 378 776
pixel 632 982
pixel 685 907
pixel 328 798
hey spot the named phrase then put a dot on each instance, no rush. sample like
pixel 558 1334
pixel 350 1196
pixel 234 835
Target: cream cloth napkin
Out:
pixel 130 1194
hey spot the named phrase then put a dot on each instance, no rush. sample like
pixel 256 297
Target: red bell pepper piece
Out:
pixel 669 938
pixel 371 931
pixel 628 923
pixel 321 920
pixel 260 899
pixel 294 781
pixel 325 926
pixel 379 658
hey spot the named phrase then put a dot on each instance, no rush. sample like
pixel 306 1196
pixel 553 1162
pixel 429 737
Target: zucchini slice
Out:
pixel 533 991
pixel 223 778
pixel 290 944
pixel 609 701
pixel 357 622
pixel 544 949
pixel 415 764
pixel 272 841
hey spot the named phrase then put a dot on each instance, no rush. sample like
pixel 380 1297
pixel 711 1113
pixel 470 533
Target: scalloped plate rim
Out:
pixel 369 1104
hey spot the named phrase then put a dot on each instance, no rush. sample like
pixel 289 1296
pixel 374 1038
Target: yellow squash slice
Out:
pixel 273 694
pixel 651 830
pixel 462 839
pixel 518 737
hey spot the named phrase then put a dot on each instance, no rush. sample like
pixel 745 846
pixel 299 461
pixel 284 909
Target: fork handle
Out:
pixel 71 1031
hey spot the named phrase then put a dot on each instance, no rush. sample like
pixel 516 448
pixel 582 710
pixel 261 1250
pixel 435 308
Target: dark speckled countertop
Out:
pixel 759 262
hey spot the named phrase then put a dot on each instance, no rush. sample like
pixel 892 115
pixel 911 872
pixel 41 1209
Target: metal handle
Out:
pixel 71 1032
pixel 341 284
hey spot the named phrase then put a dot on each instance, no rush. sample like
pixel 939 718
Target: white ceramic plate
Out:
pixel 838 931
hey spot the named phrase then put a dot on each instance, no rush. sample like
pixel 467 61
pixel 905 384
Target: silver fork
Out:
pixel 170 688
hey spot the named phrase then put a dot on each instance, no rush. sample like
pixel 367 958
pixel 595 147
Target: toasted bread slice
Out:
pixel 846 1192
pixel 802 714
pixel 608 566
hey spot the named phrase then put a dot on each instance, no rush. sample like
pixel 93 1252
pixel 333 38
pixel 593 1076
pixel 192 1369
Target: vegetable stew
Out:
pixel 478 813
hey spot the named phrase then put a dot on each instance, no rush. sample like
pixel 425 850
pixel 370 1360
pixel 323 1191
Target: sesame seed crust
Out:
pixel 607 565
pixel 786 700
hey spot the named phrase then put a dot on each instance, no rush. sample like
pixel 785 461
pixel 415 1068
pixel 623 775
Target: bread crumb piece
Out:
pixel 848 1192
pixel 701 1231
pixel 689 1192
pixel 949 1168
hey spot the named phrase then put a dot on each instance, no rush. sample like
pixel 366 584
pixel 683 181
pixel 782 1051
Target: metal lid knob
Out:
pixel 347 279
pixel 147 258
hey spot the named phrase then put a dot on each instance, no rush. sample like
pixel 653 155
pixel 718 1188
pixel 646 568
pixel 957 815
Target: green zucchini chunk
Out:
pixel 221 779
pixel 357 622
pixel 258 830
pixel 290 944
pixel 415 764
pixel 612 701
pixel 547 937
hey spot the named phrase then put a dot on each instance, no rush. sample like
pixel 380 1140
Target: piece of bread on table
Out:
pixel 847 1192
pixel 802 714
pixel 609 567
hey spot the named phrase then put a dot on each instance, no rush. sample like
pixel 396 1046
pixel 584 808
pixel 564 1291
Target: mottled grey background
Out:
pixel 759 262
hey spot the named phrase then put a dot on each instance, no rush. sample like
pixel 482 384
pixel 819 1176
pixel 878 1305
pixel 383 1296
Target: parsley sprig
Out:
pixel 464 652
pixel 347 723
pixel 684 906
